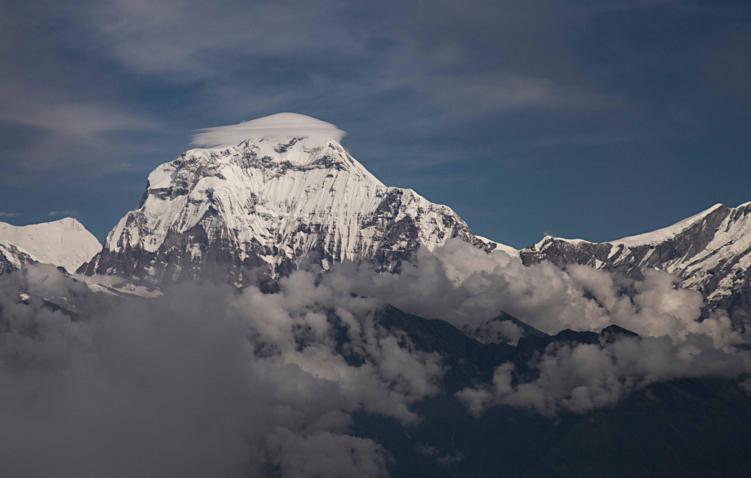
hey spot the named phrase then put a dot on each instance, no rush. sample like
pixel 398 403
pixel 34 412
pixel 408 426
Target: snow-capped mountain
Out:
pixel 65 243
pixel 265 197
pixel 283 195
pixel 709 252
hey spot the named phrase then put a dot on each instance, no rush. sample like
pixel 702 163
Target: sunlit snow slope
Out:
pixel 65 243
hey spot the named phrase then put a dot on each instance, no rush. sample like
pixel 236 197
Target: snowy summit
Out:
pixel 284 193
pixel 65 242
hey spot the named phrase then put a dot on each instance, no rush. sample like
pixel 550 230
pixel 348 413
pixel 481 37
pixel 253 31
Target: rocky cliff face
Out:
pixel 12 258
pixel 709 252
pixel 274 202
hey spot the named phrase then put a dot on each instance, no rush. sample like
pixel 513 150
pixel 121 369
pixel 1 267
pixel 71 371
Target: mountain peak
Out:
pixel 660 235
pixel 279 126
pixel 283 194
pixel 64 242
pixel 709 251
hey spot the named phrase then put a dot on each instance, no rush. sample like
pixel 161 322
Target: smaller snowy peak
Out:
pixel 492 245
pixel 539 245
pixel 65 242
pixel 548 240
pixel 669 232
pixel 651 238
pixel 274 128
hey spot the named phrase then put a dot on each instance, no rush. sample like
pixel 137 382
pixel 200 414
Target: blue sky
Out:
pixel 593 119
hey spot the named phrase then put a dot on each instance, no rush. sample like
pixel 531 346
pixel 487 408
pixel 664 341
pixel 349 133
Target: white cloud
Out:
pixel 81 136
pixel 276 125
pixel 467 287
pixel 580 378
pixel 54 110
pixel 200 382
pixel 182 38
pixel 63 213
pixel 248 380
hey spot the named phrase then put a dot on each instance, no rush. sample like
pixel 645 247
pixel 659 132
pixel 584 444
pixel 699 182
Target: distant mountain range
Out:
pixel 274 202
pixel 290 196
pixel 709 252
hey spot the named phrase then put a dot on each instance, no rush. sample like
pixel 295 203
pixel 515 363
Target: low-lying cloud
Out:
pixel 204 381
pixel 211 381
pixel 583 377
pixel 469 288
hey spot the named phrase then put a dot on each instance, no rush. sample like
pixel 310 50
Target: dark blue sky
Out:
pixel 593 119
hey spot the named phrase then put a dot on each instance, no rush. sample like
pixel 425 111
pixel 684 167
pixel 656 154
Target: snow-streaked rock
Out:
pixel 276 201
pixel 709 251
pixel 12 258
pixel 65 242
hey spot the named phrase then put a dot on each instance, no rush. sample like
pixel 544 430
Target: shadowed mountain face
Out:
pixel 270 204
pixel 694 428
pixel 709 252
pixel 12 258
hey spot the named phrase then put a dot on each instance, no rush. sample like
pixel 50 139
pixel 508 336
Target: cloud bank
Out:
pixel 580 378
pixel 211 381
pixel 204 381
pixel 469 288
